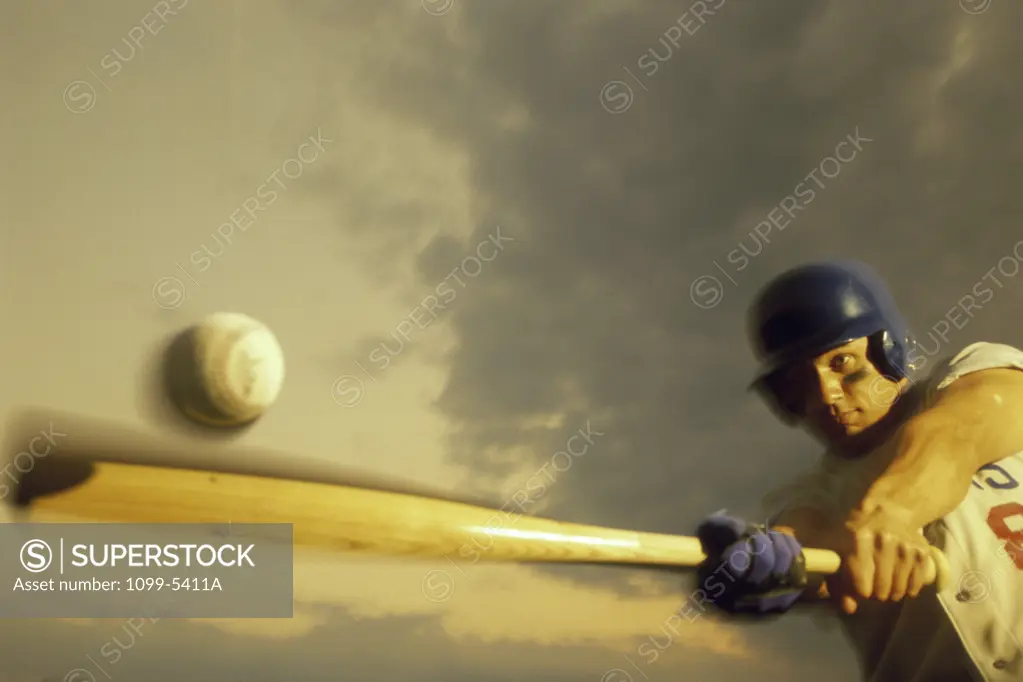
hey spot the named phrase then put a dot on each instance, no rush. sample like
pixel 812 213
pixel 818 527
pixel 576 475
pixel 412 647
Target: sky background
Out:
pixel 619 185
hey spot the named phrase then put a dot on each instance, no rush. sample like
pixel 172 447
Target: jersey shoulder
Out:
pixel 975 357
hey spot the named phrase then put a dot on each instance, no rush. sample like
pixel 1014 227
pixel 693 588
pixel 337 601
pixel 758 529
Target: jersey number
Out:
pixel 996 520
pixel 998 516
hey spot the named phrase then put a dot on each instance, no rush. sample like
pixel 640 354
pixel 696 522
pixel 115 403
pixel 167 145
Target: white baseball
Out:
pixel 240 364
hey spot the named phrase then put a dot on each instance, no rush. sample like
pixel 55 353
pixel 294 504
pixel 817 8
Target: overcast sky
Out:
pixel 601 165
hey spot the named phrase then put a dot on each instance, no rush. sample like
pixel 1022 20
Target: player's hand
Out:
pixel 882 559
pixel 750 569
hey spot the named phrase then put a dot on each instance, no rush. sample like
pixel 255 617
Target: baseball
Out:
pixel 232 373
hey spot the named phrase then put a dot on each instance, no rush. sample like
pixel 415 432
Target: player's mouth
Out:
pixel 848 418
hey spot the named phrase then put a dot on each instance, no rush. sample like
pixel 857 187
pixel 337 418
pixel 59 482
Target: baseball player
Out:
pixel 909 463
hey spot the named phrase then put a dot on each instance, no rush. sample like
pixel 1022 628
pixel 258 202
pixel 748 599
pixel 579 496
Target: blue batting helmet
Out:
pixel 813 308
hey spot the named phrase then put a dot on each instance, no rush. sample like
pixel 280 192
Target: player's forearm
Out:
pixel 917 493
pixel 937 454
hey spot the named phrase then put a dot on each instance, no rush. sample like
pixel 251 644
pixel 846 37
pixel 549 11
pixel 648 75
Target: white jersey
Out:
pixel 973 629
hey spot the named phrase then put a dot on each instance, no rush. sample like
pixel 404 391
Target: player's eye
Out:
pixel 842 362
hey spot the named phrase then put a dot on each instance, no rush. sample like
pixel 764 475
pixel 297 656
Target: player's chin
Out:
pixel 841 429
pixel 850 430
pixel 834 432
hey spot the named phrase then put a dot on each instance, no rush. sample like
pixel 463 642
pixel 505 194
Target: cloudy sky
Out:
pixel 565 188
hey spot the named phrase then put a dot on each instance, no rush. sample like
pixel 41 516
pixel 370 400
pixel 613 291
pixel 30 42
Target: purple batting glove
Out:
pixel 750 569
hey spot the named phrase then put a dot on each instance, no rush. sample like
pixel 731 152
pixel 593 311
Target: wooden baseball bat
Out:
pixel 351 519
pixel 101 472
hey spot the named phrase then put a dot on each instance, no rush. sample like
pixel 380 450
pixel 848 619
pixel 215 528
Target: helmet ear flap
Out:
pixel 887 354
pixel 879 351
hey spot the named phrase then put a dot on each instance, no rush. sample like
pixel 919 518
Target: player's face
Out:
pixel 841 393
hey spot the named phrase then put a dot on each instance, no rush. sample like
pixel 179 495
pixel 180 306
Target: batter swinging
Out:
pixel 909 461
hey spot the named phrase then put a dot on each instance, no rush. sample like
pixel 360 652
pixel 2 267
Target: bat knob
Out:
pixel 941 575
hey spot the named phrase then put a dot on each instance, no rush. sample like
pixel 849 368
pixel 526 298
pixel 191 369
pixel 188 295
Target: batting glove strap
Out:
pixel 795 578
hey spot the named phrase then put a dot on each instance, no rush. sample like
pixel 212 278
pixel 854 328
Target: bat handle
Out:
pixel 826 562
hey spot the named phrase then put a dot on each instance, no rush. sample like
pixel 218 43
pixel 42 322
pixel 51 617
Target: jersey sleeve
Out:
pixel 975 358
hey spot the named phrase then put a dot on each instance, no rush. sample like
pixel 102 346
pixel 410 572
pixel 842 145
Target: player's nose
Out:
pixel 829 388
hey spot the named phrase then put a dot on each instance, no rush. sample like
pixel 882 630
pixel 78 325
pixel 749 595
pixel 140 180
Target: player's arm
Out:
pixel 976 420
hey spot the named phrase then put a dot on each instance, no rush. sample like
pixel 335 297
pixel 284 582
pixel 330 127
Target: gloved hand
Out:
pixel 750 569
